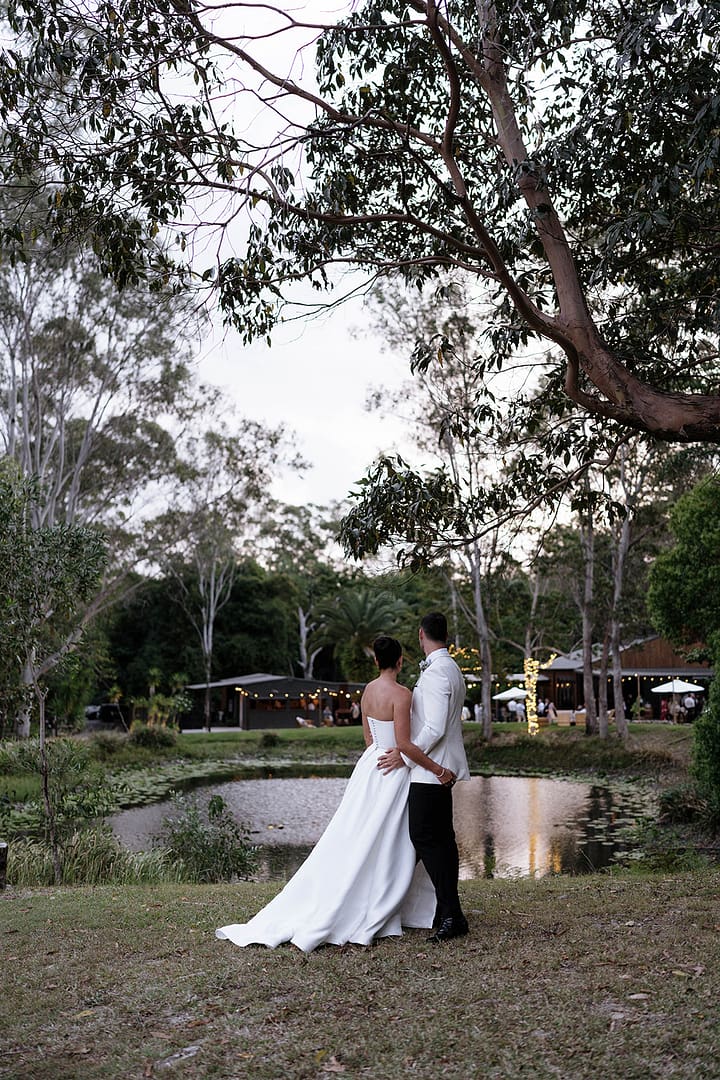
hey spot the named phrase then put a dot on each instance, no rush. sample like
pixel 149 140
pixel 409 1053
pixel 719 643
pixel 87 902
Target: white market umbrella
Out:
pixel 520 677
pixel 511 695
pixel 676 686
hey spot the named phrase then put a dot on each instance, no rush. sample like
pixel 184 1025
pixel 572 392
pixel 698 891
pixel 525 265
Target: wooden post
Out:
pixel 3 864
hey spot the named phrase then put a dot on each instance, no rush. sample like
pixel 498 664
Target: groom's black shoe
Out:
pixel 450 928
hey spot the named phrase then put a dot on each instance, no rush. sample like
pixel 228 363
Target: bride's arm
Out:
pixel 365 726
pixel 401 719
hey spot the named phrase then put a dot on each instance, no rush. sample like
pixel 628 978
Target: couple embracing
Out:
pixel 388 858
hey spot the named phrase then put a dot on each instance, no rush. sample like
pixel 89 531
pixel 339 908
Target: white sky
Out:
pixel 315 380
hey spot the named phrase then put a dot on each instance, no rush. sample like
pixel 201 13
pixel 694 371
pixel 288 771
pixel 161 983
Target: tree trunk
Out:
pixel 483 636
pixel 620 553
pixel 602 691
pixel 22 722
pixel 47 797
pixel 621 723
pixel 587 537
pixel 307 660
pixel 206 706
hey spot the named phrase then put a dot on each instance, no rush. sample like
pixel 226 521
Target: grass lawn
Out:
pixel 602 977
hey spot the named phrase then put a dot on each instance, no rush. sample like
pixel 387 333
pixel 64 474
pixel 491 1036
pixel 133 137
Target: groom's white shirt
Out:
pixel 436 718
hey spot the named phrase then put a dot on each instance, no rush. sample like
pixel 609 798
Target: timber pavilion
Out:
pixel 253 702
pixel 645 664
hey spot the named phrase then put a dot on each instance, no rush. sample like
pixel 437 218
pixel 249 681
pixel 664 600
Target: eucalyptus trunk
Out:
pixel 602 690
pixel 620 553
pixel 587 537
pixel 46 793
pixel 483 635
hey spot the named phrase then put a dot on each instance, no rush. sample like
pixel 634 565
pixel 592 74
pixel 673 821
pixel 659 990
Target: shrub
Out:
pixel 153 736
pixel 106 744
pixel 78 789
pixel 681 805
pixel 208 845
pixel 706 747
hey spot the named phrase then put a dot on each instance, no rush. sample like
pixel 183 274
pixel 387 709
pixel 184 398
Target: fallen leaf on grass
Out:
pixel 83 1014
pixel 333 1066
pixel 638 997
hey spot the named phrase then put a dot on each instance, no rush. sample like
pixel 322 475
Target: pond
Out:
pixel 506 826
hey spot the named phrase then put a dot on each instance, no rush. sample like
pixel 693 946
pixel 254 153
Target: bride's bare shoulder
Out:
pixel 402 693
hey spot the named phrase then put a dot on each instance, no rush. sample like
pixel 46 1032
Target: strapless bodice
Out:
pixel 383 732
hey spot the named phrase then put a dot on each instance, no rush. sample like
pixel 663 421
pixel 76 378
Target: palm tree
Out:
pixel 351 621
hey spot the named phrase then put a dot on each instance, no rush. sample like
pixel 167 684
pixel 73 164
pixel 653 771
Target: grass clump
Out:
pixel 89 857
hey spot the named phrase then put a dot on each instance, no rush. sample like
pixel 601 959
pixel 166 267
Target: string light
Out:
pixel 467 659
pixel 531 668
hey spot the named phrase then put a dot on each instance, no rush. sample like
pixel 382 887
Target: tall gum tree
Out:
pixel 564 154
pixel 439 407
pixel 95 384
pixel 223 496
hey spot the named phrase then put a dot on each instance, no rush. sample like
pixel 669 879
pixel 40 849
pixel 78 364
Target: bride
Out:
pixel 361 881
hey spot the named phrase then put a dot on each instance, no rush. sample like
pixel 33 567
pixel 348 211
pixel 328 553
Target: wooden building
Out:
pixel 645 664
pixel 262 700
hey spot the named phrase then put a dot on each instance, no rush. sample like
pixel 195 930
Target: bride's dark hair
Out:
pixel 388 651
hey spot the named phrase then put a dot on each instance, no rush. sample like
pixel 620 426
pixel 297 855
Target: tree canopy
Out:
pixel 684 593
pixel 563 154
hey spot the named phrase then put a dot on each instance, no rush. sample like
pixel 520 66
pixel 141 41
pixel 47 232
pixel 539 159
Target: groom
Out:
pixel 436 727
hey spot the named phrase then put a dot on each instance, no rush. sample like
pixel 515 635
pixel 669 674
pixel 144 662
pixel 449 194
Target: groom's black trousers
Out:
pixel 430 813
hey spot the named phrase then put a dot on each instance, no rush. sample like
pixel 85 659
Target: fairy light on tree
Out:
pixel 531 668
pixel 467 659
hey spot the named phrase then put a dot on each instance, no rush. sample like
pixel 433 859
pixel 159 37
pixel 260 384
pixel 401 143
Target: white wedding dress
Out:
pixel 361 880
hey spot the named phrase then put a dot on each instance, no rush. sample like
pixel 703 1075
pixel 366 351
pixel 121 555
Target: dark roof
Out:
pixel 264 685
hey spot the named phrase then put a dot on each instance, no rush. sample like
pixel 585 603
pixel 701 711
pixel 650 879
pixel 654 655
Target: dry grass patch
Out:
pixel 573 978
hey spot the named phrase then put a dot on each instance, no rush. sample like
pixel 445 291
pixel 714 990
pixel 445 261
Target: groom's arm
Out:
pixel 436 692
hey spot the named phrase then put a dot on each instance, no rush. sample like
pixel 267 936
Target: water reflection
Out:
pixel 511 826
pixel 506 826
